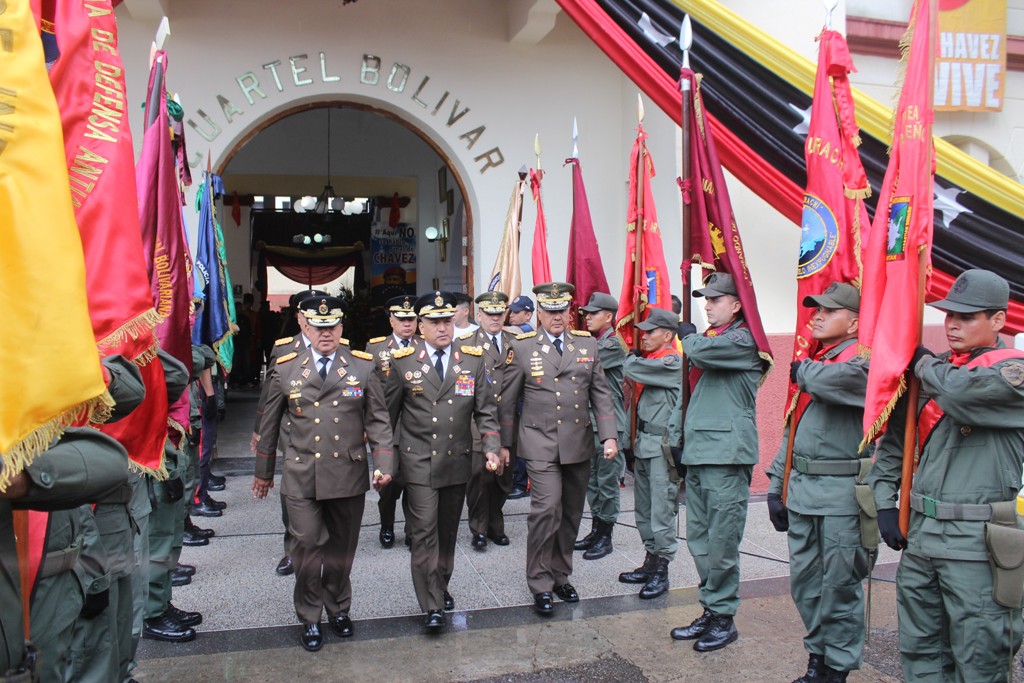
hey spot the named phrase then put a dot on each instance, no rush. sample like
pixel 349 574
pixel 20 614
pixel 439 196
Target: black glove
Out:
pixel 793 367
pixel 636 352
pixel 919 353
pixel 777 512
pixel 210 407
pixel 94 604
pixel 677 460
pixel 175 489
pixel 686 329
pixel 630 458
pixel 889 527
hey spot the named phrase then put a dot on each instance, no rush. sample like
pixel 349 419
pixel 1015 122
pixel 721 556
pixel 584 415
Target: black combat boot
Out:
pixel 721 631
pixel 696 628
pixel 833 676
pixel 587 540
pixel 641 574
pixel 602 545
pixel 658 583
pixel 815 670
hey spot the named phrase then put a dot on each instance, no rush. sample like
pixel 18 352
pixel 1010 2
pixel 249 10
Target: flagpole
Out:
pixel 685 40
pixel 638 252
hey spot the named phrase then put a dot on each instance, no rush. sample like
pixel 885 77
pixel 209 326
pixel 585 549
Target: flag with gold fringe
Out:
pixel 89 84
pixel 898 250
pixel 506 276
pixel 48 361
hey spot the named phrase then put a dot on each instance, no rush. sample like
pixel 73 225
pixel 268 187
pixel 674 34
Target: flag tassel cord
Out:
pixel 134 328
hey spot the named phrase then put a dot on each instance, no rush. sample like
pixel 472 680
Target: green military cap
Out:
pixel 659 318
pixel 976 290
pixel 836 295
pixel 322 311
pixel 717 284
pixel 600 301
pixel 493 302
pixel 554 296
pixel 401 306
pixel 436 306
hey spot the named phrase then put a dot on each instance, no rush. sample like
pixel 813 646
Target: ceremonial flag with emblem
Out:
pixel 212 282
pixel 505 276
pixel 715 239
pixel 48 361
pixel 165 249
pixel 88 81
pixel 834 212
pixel 541 262
pixel 643 242
pixel 584 268
pixel 898 249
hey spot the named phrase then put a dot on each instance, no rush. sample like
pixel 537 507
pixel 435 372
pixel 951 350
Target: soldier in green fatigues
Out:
pixel 83 466
pixel 402 318
pixel 603 489
pixel 827 560
pixel 659 382
pixel 971 426
pixel 720 452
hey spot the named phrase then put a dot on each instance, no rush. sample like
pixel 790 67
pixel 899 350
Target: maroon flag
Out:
pixel 716 238
pixel 163 234
pixel 584 268
pixel 898 250
pixel 834 212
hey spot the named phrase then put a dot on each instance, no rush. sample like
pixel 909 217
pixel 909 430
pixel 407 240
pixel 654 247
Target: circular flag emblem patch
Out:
pixel 819 237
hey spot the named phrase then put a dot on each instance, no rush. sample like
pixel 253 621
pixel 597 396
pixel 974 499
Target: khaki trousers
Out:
pixel 556 506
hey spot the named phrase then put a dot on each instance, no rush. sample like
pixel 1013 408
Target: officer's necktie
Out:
pixel 497 346
pixel 405 342
pixel 438 365
pixel 558 346
pixel 324 361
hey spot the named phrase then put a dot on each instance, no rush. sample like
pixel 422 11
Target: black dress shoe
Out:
pixel 184 618
pixel 341 625
pixel 387 537
pixel 434 621
pixel 567 593
pixel 217 479
pixel 449 602
pixel 720 632
pixel 284 567
pixel 312 638
pixel 516 494
pixel 185 569
pixel 214 486
pixel 479 541
pixel 695 629
pixel 215 504
pixel 201 509
pixel 179 579
pixel 543 603
pixel 498 539
pixel 191 540
pixel 167 629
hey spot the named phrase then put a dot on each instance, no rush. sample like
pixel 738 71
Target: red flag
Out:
pixel 834 211
pixel 541 262
pixel 163 234
pixel 899 245
pixel 584 268
pixel 653 289
pixel 101 168
pixel 716 238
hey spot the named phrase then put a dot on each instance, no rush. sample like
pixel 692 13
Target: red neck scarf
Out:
pixel 696 372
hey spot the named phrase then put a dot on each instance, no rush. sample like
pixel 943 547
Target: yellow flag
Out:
pixel 49 365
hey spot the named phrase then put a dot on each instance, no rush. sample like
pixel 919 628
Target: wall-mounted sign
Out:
pixel 970 67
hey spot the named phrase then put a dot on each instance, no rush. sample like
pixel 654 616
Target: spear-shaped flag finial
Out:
pixel 575 139
pixel 639 108
pixel 536 149
pixel 686 40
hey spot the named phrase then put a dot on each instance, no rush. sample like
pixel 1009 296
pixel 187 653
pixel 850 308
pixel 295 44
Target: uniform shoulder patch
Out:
pixel 510 357
pixel 376 340
pixel 473 350
pixel 1013 373
pixel 362 354
pixel 672 360
pixel 284 340
pixel 580 333
pixel 527 335
pixel 402 353
pixel 287 357
pixel 344 341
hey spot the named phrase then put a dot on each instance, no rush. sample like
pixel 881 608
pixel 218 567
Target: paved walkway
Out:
pixel 249 631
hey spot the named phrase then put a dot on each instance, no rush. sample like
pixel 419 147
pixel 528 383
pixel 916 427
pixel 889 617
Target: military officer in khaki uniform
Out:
pixel 332 396
pixel 283 346
pixel 402 317
pixel 433 394
pixel 559 377
pixel 488 491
